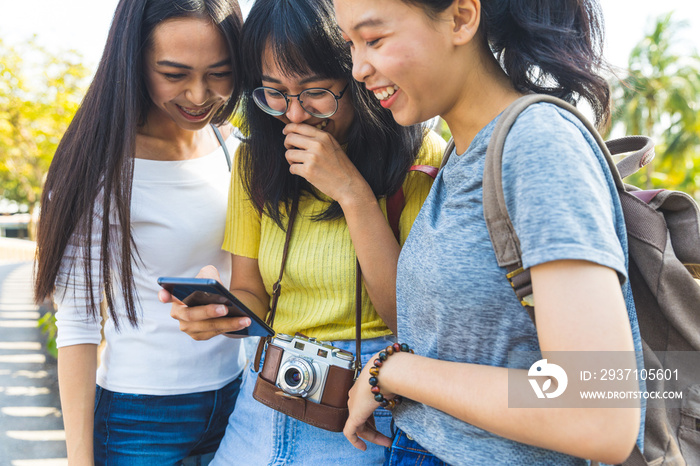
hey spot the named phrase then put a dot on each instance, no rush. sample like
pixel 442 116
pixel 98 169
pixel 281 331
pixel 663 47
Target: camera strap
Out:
pixel 277 288
pixel 358 316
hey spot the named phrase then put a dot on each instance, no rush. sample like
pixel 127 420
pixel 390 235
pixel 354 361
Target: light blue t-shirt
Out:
pixel 453 300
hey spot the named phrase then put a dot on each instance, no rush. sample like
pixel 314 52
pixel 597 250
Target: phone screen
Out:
pixel 202 291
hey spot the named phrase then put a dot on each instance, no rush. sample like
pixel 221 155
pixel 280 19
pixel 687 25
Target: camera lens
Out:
pixel 293 377
pixel 296 376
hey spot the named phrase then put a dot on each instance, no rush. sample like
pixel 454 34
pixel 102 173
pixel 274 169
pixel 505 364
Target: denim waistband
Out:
pixel 407 452
pixel 369 346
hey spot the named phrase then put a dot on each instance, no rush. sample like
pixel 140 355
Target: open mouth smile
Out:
pixel 384 93
pixel 196 113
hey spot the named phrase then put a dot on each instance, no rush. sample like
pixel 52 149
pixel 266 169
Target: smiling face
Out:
pixel 188 73
pixel 400 54
pixel 338 125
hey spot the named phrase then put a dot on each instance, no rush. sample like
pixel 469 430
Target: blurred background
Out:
pixel 49 50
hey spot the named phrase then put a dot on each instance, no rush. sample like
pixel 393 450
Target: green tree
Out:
pixel 39 94
pixel 659 98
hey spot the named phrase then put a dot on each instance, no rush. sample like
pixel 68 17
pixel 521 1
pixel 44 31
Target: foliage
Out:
pixel 47 324
pixel 659 98
pixel 35 110
pixel 442 129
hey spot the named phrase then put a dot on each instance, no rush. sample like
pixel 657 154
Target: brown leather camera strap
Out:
pixel 358 316
pixel 277 288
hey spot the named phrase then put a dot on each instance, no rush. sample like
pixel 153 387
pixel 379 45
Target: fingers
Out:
pixel 299 156
pixel 209 271
pixel 205 330
pixel 308 145
pixel 360 423
pixel 373 435
pixel 355 434
pixel 350 433
pixel 197 313
pixel 303 163
pixel 297 141
pixel 302 129
pixel 289 141
pixel 305 136
pixel 164 296
pixel 205 322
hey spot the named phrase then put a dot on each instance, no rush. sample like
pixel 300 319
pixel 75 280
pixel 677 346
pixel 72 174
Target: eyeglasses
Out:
pixel 317 101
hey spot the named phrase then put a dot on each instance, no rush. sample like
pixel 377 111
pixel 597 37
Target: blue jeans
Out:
pixel 407 452
pixel 258 435
pixel 142 430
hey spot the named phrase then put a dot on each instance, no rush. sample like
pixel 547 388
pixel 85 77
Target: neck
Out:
pixel 161 139
pixel 485 93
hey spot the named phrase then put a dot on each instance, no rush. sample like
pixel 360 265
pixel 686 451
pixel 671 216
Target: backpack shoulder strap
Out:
pixel 448 151
pixel 506 244
pixel 503 237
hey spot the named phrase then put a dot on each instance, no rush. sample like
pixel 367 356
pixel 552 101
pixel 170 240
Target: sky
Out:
pixel 83 24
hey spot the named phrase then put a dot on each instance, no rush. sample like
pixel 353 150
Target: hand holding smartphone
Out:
pixel 203 291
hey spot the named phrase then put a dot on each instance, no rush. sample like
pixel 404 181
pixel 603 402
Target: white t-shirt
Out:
pixel 178 212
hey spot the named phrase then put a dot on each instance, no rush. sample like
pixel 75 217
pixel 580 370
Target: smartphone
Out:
pixel 202 291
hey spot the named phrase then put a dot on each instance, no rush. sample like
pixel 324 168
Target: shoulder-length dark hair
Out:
pixel 305 40
pixel 96 152
pixel 546 46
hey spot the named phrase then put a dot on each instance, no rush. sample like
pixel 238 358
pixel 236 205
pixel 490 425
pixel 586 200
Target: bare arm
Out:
pixel 316 156
pixel 76 379
pixel 377 250
pixel 579 308
pixel 247 285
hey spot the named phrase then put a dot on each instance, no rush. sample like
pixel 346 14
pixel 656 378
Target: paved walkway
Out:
pixel 31 427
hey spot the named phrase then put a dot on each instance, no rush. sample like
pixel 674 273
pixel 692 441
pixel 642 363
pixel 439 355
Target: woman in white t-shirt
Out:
pixel 142 168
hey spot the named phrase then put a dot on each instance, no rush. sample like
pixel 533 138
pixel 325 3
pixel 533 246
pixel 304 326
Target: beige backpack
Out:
pixel 663 229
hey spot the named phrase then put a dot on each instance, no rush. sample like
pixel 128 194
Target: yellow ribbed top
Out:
pixel 318 286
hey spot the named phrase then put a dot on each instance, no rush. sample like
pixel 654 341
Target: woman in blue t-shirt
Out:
pixel 467 61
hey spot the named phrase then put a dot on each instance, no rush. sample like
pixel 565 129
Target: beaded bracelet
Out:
pixel 374 372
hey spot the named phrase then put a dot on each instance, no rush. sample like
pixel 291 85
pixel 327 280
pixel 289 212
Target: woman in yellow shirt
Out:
pixel 317 136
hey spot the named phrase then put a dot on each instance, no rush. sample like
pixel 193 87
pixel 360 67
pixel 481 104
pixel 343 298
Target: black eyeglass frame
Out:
pixel 287 97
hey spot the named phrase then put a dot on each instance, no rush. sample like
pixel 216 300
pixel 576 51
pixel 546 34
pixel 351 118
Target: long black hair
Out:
pixel 96 153
pixel 546 46
pixel 305 39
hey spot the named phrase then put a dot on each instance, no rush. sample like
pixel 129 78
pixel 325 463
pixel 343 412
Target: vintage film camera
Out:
pixel 307 368
pixel 308 380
